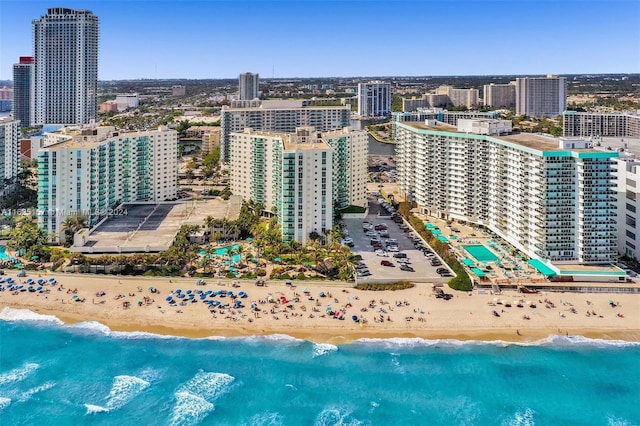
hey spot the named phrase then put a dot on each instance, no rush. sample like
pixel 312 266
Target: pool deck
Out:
pixel 520 272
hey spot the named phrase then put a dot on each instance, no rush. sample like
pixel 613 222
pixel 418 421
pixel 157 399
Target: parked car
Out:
pixel 442 270
pixel 371 234
pixel 407 268
pixel 403 260
pixel 386 263
pixel 380 227
pixel 393 248
pixel 435 262
pixel 382 253
pixel 400 255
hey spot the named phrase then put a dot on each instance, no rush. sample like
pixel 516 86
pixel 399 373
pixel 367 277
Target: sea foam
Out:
pixel 94 409
pixel 13 314
pixel 522 418
pixel 25 396
pixel 123 390
pixel 18 374
pixel 266 419
pixel 4 403
pixel 336 416
pixel 320 349
pixel 194 399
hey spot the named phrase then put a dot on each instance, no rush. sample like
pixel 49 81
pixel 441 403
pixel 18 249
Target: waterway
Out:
pixel 375 147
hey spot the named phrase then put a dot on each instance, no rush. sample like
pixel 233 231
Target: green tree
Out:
pixel 71 225
pixel 28 237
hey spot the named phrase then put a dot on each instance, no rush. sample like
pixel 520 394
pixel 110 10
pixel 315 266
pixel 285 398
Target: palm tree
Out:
pixel 72 224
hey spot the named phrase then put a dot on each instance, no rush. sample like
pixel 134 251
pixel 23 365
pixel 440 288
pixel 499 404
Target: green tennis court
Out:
pixel 481 253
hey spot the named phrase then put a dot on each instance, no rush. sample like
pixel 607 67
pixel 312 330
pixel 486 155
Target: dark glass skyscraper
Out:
pixel 23 91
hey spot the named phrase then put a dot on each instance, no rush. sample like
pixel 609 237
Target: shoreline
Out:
pixel 402 314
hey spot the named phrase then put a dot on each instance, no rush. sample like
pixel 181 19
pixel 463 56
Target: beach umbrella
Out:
pixel 52 280
pixel 29 280
pixel 168 298
pixel 39 288
pixel 74 297
pixel 189 292
pixel 177 291
pixel 40 281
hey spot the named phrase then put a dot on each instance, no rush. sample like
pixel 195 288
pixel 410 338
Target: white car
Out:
pixel 393 248
pixel 403 260
pixel 371 234
pixel 392 242
pixel 381 253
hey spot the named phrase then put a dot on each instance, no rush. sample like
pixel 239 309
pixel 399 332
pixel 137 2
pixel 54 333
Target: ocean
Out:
pixel 57 374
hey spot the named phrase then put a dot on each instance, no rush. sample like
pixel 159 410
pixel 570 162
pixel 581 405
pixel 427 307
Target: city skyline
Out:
pixel 211 40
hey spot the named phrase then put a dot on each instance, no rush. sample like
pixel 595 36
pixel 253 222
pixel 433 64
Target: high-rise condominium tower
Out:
pixel 248 86
pixel 66 66
pixel 541 96
pixel 374 99
pixel 23 91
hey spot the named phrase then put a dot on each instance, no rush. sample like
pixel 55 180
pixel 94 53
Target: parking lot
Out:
pixel 362 245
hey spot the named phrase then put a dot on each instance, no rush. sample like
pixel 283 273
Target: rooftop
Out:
pixel 528 140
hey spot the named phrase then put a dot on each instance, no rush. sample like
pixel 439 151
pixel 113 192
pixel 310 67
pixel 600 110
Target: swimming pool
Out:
pixel 481 253
pixel 222 251
pixel 3 254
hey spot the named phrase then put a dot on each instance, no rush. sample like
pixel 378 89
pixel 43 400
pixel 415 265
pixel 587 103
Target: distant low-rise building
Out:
pixel 108 106
pixel 178 91
pixel 211 140
pixel 127 101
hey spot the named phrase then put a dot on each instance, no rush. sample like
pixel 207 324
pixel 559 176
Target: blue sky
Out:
pixel 310 38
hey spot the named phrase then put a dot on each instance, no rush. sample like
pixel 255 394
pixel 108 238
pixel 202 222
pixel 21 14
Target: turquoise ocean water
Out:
pixel 85 374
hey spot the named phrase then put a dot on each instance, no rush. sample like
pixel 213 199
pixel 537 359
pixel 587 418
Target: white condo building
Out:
pixel 499 95
pixel 279 116
pixel 541 96
pixel 248 86
pixel 9 152
pixel 90 170
pixel 629 205
pixel 126 101
pixel 553 199
pixel 590 124
pixel 301 176
pixel 460 97
pixel 374 99
pixel 66 67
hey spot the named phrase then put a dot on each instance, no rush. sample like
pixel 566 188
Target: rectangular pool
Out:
pixel 480 252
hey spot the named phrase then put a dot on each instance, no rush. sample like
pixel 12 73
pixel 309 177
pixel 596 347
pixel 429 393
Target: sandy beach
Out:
pixel 309 311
